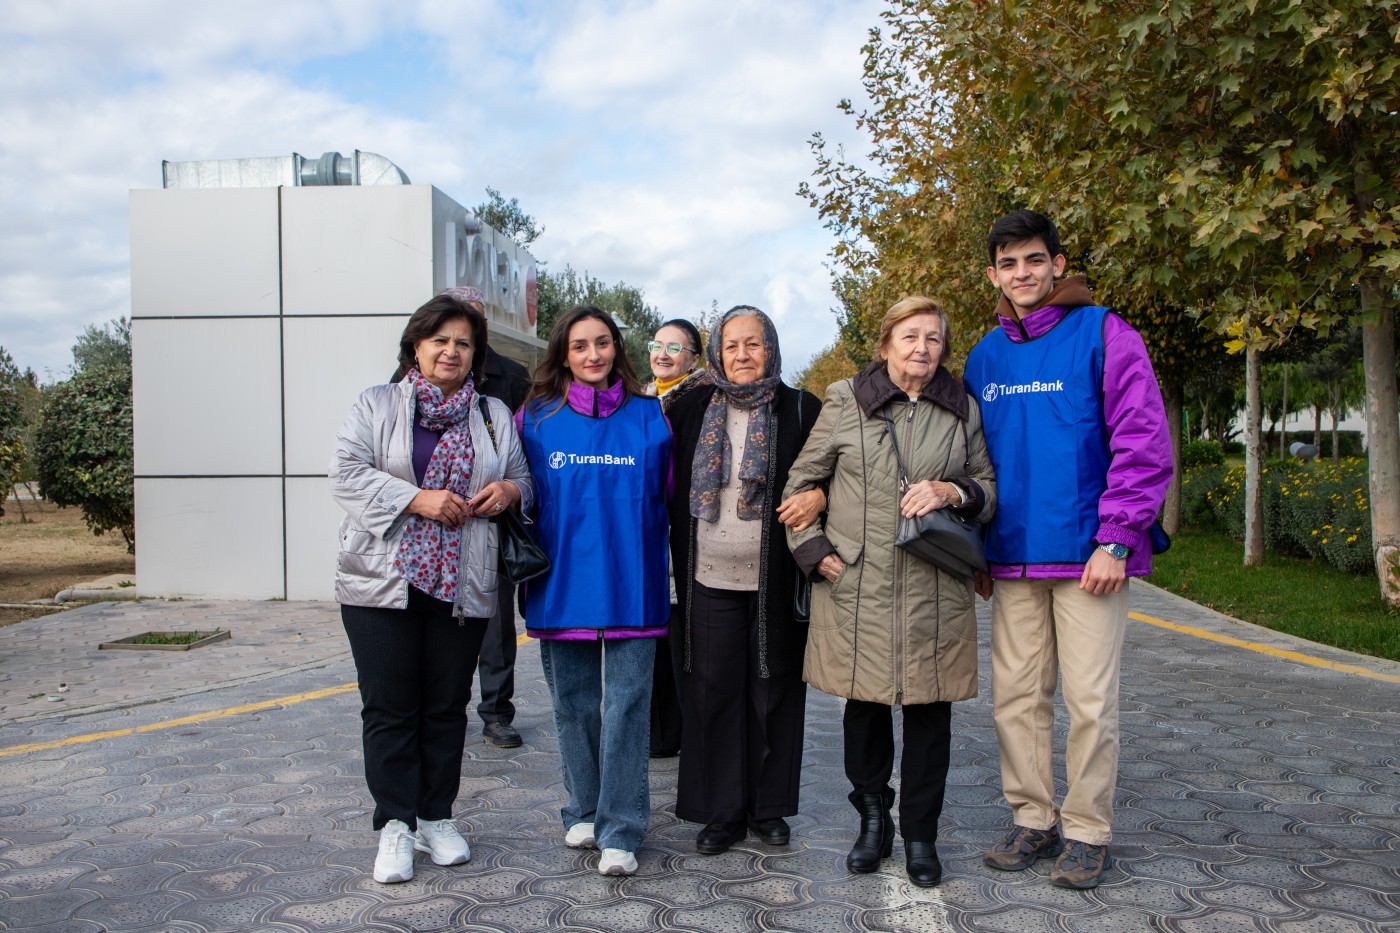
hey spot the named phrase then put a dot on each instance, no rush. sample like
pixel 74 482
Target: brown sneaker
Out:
pixel 1022 847
pixel 1080 865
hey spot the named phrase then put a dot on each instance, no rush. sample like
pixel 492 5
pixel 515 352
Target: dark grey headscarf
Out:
pixel 712 454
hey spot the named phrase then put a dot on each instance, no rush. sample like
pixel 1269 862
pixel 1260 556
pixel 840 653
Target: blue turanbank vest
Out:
pixel 1042 416
pixel 600 494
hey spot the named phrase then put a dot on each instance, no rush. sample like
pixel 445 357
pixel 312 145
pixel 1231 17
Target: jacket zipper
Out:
pixel 900 581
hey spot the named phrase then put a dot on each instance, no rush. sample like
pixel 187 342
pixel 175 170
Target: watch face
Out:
pixel 1117 551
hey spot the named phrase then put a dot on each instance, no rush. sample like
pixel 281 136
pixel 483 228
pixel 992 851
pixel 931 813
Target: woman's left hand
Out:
pixel 799 510
pixel 928 496
pixel 493 499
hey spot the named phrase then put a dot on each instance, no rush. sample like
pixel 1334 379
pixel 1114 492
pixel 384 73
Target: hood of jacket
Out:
pixel 1069 293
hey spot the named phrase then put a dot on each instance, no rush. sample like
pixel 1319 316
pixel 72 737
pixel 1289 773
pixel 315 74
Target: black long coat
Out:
pixel 781 640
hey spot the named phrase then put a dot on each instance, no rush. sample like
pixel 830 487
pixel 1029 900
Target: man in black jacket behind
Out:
pixel 508 381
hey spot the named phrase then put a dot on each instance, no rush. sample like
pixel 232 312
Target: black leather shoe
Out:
pixel 774 832
pixel 501 735
pixel 664 752
pixel 876 839
pixel 716 838
pixel 921 862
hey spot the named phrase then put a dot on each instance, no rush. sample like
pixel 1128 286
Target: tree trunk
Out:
pixel 1317 426
pixel 1253 458
pixel 1283 427
pixel 1172 395
pixel 1336 416
pixel 1383 437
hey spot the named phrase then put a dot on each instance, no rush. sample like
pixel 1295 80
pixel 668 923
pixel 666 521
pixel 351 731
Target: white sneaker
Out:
pixel 580 836
pixel 440 839
pixel 395 860
pixel 617 862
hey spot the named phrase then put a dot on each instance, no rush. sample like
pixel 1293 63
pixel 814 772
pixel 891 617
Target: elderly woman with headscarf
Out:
pixel 420 467
pixel 740 683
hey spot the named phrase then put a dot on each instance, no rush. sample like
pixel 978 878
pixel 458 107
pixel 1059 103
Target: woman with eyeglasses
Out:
pixel 675 355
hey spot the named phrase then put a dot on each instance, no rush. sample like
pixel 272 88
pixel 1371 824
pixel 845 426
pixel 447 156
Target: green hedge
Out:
pixel 1319 510
pixel 1199 453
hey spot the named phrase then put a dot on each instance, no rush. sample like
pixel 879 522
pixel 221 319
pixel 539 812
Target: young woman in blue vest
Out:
pixel 600 452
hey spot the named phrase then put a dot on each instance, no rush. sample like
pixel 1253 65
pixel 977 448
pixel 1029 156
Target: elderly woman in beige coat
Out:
pixel 887 628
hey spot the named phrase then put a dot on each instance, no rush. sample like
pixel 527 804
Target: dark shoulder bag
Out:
pixel 522 557
pixel 942 537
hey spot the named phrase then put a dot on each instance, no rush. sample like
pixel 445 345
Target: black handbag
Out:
pixel 522 557
pixel 942 537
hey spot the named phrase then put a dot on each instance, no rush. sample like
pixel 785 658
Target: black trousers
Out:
pixel 496 668
pixel 415 668
pixel 665 700
pixel 923 772
pixel 741 749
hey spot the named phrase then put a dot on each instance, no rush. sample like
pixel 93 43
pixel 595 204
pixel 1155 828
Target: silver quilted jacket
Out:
pixel 372 480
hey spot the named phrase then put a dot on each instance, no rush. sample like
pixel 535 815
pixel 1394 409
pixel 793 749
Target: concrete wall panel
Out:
pixel 328 363
pixel 349 250
pixel 201 252
pixel 313 521
pixel 215 538
pixel 207 396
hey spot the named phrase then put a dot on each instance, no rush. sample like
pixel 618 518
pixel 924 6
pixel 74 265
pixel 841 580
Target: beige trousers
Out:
pixel 1042 629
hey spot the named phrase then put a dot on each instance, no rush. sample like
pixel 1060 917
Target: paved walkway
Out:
pixel 222 789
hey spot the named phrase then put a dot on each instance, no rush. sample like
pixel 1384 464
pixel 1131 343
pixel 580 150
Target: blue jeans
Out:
pixel 602 709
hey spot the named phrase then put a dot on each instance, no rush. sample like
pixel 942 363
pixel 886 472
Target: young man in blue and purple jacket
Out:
pixel 1078 436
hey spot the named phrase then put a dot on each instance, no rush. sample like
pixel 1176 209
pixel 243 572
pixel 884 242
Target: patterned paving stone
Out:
pixel 1240 808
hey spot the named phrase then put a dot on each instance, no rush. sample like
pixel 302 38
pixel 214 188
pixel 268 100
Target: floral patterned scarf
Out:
pixel 430 556
pixel 710 471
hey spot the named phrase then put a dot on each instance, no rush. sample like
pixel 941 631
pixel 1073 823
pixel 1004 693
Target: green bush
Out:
pixel 1319 510
pixel 82 452
pixel 1199 453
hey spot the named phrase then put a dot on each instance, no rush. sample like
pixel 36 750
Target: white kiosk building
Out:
pixel 265 295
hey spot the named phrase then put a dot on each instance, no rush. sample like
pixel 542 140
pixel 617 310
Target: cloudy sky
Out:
pixel 659 142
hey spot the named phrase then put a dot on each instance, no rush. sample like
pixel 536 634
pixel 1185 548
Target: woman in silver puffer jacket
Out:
pixel 419 471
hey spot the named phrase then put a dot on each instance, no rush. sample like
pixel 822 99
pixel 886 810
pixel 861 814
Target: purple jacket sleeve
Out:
pixel 1139 439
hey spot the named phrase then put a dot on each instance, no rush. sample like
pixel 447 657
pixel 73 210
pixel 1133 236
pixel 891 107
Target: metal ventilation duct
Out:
pixel 294 171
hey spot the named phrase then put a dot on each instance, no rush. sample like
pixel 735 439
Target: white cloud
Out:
pixel 660 143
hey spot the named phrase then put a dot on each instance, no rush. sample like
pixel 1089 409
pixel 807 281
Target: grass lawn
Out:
pixel 1301 597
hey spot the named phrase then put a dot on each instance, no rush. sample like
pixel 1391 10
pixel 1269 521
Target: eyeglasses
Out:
pixel 671 348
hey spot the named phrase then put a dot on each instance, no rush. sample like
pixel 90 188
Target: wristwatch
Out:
pixel 1116 551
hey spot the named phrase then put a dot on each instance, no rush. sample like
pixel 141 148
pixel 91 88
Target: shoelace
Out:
pixel 1077 853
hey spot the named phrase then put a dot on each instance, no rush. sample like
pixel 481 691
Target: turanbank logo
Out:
pixel 559 459
pixel 994 390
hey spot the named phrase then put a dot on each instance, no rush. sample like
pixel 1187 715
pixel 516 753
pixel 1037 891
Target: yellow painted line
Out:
pixel 1297 656
pixel 172 723
pixel 189 720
